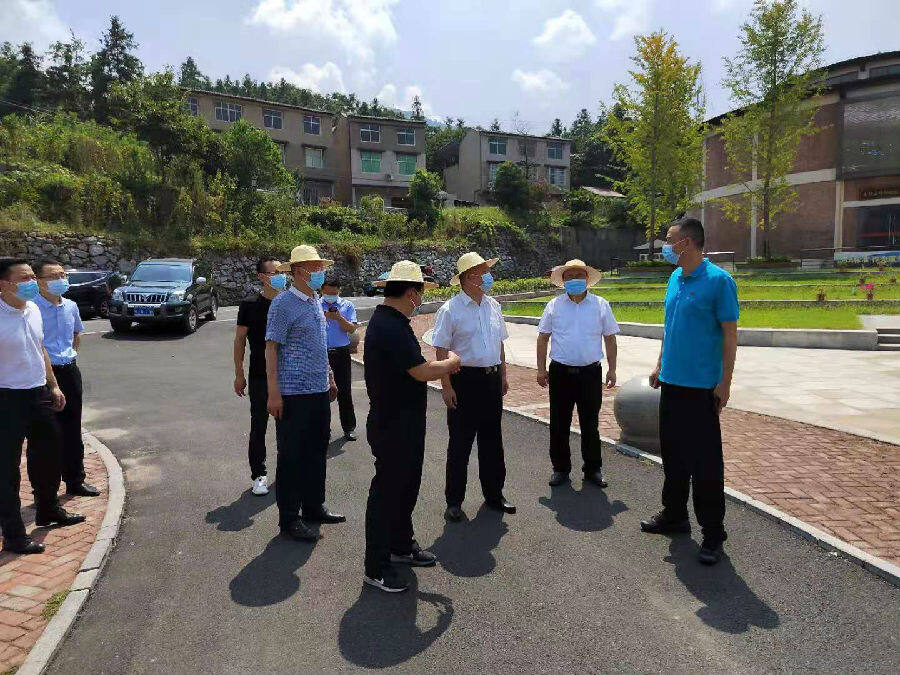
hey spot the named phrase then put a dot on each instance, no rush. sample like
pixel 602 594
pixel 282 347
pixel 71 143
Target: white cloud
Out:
pixel 323 79
pixel 34 21
pixel 541 82
pixel 565 37
pixel 357 26
pixel 391 97
pixel 629 16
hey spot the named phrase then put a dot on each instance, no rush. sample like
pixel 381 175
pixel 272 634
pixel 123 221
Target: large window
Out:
pixel 271 118
pixel 370 133
pixel 315 158
pixel 312 124
pixel 371 161
pixel 870 144
pixel 406 136
pixel 527 148
pixel 556 175
pixel 228 112
pixel 315 191
pixel 554 150
pixel 497 146
pixel 406 164
pixel 492 171
pixel 192 105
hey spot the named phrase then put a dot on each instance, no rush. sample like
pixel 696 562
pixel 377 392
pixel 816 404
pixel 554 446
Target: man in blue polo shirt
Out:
pixel 341 317
pixel 694 371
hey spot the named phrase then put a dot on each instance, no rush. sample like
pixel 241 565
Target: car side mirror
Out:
pixel 201 280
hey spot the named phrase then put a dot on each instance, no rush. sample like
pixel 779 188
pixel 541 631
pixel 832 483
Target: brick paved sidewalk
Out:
pixel 845 485
pixel 27 582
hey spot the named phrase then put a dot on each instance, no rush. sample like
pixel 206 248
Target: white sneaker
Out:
pixel 261 485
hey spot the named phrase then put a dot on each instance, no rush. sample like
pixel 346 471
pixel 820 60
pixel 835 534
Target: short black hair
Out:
pixel 692 229
pixel 261 264
pixel 9 262
pixel 41 264
pixel 332 280
pixel 395 289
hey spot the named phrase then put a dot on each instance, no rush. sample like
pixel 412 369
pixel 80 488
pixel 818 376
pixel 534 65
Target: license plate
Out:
pixel 143 311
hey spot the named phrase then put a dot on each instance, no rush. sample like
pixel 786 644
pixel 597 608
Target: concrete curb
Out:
pixel 56 631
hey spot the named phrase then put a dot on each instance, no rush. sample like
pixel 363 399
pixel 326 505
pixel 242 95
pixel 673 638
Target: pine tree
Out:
pixel 417 108
pixel 26 84
pixel 115 62
pixel 495 125
pixel 556 129
pixel 190 76
pixel 67 76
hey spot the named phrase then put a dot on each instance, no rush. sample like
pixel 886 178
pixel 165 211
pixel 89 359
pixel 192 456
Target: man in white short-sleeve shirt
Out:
pixel 471 325
pixel 577 324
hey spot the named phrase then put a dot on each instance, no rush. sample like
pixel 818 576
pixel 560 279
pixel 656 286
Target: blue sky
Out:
pixel 465 58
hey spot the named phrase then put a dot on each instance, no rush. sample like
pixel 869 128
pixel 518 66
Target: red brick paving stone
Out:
pixel 41 576
pixel 833 480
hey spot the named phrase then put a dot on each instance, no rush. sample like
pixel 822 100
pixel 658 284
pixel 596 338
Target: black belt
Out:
pixel 479 370
pixel 337 349
pixel 575 370
pixel 70 364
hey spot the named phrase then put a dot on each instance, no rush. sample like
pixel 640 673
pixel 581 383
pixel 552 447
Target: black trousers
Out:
pixel 258 390
pixel 27 414
pixel 479 409
pixel 398 444
pixel 339 360
pixel 302 434
pixel 571 387
pixel 691 449
pixel 69 379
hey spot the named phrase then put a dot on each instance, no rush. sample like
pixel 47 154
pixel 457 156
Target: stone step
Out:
pixel 888 348
pixel 888 331
pixel 888 339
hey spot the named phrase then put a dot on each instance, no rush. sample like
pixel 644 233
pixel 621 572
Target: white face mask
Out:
pixel 331 298
pixel 416 307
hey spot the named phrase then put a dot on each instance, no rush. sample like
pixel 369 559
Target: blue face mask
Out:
pixel 278 281
pixel 668 253
pixel 57 286
pixel 331 298
pixel 27 290
pixel 316 279
pixel 575 286
pixel 487 281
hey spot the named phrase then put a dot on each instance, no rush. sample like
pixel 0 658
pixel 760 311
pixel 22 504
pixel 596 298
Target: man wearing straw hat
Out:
pixel 396 373
pixel 300 389
pixel 471 324
pixel 577 324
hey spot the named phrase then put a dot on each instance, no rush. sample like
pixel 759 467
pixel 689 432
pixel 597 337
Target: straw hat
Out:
pixel 303 253
pixel 556 274
pixel 406 270
pixel 467 262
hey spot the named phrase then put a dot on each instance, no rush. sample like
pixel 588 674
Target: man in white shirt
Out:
pixel 29 395
pixel 576 324
pixel 471 325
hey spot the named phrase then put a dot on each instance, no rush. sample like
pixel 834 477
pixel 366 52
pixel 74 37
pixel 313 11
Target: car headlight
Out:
pixel 118 294
pixel 176 296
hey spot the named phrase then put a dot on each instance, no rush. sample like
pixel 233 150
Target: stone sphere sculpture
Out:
pixel 636 408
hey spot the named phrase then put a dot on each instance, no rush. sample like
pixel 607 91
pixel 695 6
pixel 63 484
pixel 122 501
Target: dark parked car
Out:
pixel 370 289
pixel 92 289
pixel 165 290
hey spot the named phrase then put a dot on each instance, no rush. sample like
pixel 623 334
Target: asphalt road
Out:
pixel 199 581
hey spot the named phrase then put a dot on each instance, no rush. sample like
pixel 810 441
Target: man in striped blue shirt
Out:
pixel 300 390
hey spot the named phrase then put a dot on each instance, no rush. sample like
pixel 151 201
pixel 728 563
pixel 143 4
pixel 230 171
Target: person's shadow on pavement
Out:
pixel 271 577
pixel 239 514
pixel 336 447
pixel 584 510
pixel 380 630
pixel 464 548
pixel 730 605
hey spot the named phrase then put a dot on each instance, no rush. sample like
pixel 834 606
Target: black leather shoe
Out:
pixel 501 505
pixel 662 524
pixel 58 516
pixel 299 532
pixel 454 513
pixel 26 545
pixel 350 435
pixel 596 478
pixel 325 516
pixel 558 478
pixel 711 550
pixel 82 490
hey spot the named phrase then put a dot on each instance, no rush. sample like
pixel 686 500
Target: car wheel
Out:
pixel 120 325
pixel 213 308
pixel 102 308
pixel 190 320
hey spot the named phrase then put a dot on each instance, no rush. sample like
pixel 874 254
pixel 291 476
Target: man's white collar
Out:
pixel 300 294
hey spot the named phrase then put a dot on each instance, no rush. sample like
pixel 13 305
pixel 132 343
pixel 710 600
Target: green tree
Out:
pixel 417 113
pixel 510 189
pixel 424 204
pixel 26 84
pixel 253 159
pixel 659 136
pixel 9 62
pixel 115 62
pixel 190 77
pixel 770 78
pixel 495 125
pixel 557 129
pixel 67 76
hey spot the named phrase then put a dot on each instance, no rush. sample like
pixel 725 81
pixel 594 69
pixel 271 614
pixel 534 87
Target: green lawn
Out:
pixel 751 317
pixel 833 291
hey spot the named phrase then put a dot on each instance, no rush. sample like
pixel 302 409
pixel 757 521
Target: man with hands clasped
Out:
pixel 342 322
pixel 576 324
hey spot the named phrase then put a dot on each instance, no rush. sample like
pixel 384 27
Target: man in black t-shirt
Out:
pixel 396 373
pixel 251 327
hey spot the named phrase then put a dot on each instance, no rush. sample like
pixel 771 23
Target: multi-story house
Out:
pixel 472 163
pixel 377 155
pixel 304 135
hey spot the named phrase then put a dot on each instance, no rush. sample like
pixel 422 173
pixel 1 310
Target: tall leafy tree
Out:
pixel 9 63
pixel 556 129
pixel 495 125
pixel 772 75
pixel 189 76
pixel 115 62
pixel 659 135
pixel 67 76
pixel 425 207
pixel 26 83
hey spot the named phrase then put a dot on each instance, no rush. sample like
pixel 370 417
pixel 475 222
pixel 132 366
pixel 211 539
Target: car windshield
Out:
pixel 162 272
pixel 84 277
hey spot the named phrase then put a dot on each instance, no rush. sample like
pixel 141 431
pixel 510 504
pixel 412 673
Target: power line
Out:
pixel 25 107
